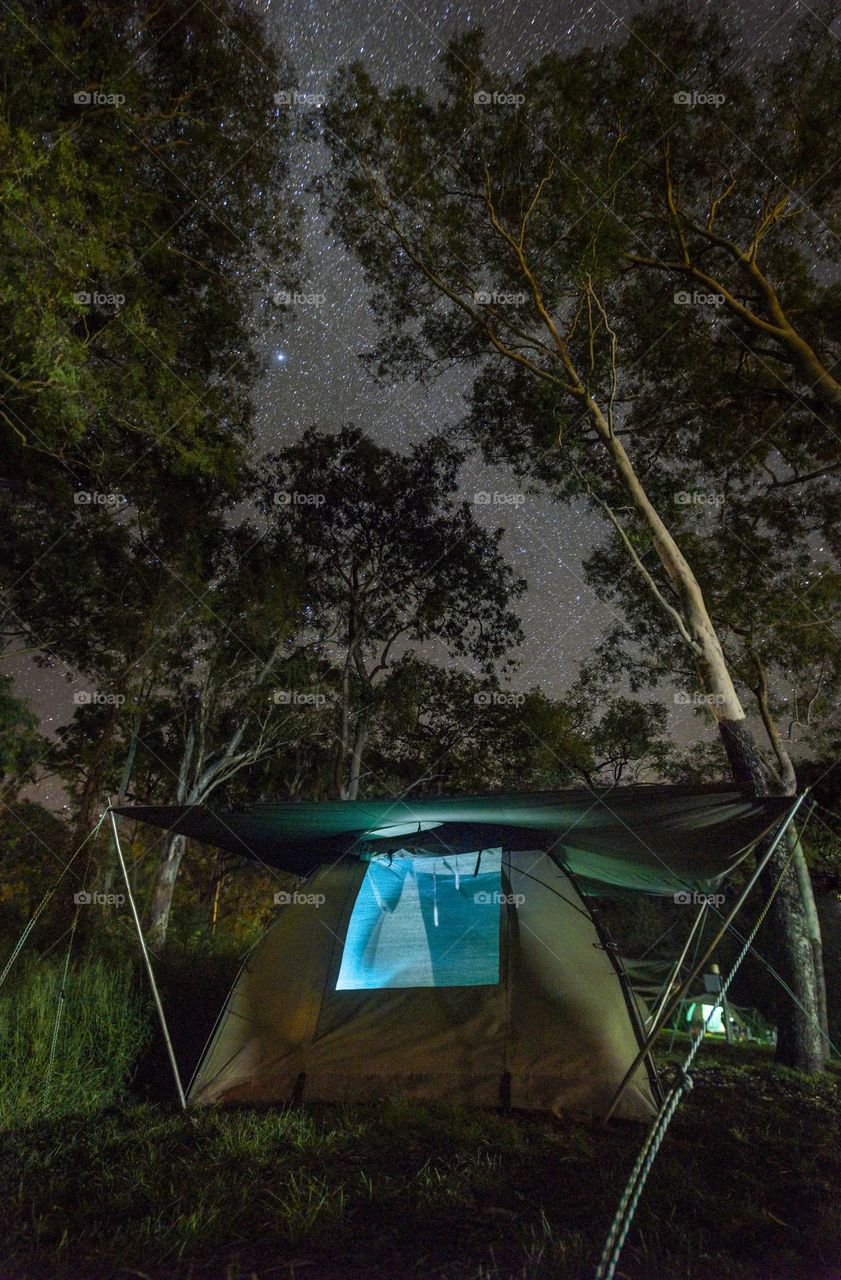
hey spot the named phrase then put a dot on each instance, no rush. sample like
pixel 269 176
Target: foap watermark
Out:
pixel 91 498
pixel 485 98
pixel 498 698
pixel 699 98
pixel 96 698
pixel 685 698
pixel 93 298
pixel 87 898
pixel 297 698
pixel 96 98
pixel 498 899
pixel 499 298
pixel 283 298
pixel 292 498
pixel 685 898
pixel 296 898
pixel 699 498
pixel 484 498
pixel 295 98
pixel 684 298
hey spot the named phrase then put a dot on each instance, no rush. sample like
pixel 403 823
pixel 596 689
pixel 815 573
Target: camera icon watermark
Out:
pixel 295 98
pixel 88 298
pixel 685 698
pixel 498 698
pixel 291 498
pixel 687 898
pixel 484 498
pixel 695 98
pixel 685 298
pixel 94 698
pixel 499 298
pixel 96 98
pixel 90 498
pixel 699 498
pixel 296 898
pixel 86 898
pixel 297 698
pixel 483 898
pixel 283 298
pixel 484 98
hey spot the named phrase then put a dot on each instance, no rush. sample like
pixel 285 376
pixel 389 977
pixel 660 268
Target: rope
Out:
pixel 625 1210
pixel 19 945
pixel 60 1008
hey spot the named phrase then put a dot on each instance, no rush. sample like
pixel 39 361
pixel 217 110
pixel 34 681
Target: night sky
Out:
pixel 314 375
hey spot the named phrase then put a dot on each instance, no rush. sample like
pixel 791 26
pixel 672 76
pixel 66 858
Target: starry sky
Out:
pixel 313 371
pixel 315 375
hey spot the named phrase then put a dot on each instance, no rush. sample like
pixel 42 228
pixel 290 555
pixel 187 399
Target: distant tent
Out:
pixel 448 948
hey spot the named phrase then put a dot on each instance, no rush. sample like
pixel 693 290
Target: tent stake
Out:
pixel 148 962
pixel 667 1012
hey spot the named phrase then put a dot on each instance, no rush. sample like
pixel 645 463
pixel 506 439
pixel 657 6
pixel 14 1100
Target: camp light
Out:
pixel 400 829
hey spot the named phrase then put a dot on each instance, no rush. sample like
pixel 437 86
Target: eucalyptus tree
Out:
pixel 492 219
pixel 392 561
pixel 144 156
pixel 447 730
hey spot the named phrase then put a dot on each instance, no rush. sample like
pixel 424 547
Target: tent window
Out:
pixel 424 922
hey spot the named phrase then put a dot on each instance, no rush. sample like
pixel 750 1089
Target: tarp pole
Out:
pixel 679 994
pixel 148 962
pixel 675 973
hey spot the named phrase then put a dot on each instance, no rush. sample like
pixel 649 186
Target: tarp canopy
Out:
pixel 652 839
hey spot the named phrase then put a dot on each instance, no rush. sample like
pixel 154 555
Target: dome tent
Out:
pixel 449 949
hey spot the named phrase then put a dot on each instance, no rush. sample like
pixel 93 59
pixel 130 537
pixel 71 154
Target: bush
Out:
pixel 104 1026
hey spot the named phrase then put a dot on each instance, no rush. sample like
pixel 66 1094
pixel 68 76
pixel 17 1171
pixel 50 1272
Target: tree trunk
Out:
pixel 159 910
pixel 813 924
pixel 788 781
pixel 359 739
pixel 93 785
pixel 799 1039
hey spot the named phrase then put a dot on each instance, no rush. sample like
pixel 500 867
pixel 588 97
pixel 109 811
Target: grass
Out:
pixel 97 1182
pixel 102 1031
pixel 746 1187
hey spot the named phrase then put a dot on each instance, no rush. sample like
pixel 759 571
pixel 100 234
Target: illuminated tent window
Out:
pixel 714 1023
pixel 425 922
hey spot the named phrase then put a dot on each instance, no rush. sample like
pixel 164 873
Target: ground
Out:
pixel 746 1187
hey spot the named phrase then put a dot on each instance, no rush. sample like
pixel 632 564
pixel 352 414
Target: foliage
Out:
pixel 143 157
pixel 444 730
pixel 103 1028
pixel 390 561
pixel 21 746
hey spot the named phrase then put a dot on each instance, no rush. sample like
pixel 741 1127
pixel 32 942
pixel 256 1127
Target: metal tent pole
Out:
pixel 675 973
pixel 667 1012
pixel 148 962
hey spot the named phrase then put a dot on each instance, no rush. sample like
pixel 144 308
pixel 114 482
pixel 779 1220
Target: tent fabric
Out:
pixel 652 839
pixel 552 1033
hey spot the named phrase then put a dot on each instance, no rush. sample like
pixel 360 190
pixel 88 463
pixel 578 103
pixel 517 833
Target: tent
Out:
pixel 450 948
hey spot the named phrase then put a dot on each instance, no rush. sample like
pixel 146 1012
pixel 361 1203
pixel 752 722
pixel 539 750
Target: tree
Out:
pixel 484 219
pixel 21 745
pixel 442 730
pixel 143 154
pixel 390 561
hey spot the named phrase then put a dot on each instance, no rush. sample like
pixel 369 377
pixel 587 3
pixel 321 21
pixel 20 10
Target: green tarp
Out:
pixel 652 839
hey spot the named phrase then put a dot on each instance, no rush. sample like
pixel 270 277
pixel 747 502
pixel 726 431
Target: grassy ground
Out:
pixel 746 1188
